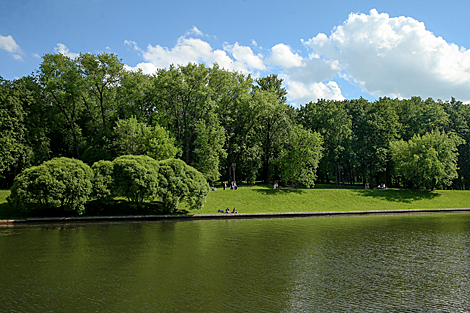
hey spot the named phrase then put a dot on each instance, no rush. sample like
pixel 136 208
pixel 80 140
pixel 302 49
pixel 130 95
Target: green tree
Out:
pixel 61 84
pixel 428 161
pixel 273 123
pixel 15 152
pixel 300 156
pixel 59 183
pixel 137 138
pixel 330 119
pixel 181 182
pixel 102 73
pixel 136 177
pixel 209 148
pixel 103 181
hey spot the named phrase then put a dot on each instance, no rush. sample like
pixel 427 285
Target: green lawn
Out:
pixel 259 199
pixel 262 199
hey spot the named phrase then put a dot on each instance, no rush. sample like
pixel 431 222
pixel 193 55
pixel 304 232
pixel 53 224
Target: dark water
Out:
pixel 412 263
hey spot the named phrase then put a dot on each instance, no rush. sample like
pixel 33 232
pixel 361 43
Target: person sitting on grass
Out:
pixel 235 210
pixel 227 211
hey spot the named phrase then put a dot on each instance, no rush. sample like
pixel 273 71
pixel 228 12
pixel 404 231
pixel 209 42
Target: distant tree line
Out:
pixel 223 123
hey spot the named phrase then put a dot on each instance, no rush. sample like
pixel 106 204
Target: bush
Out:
pixel 59 183
pixel 103 182
pixel 181 182
pixel 136 177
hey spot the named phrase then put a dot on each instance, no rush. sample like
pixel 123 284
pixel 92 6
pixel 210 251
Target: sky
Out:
pixel 337 49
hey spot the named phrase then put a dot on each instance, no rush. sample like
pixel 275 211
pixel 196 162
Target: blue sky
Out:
pixel 322 49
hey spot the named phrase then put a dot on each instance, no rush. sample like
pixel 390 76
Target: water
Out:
pixel 411 263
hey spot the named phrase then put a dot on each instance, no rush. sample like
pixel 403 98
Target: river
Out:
pixel 391 263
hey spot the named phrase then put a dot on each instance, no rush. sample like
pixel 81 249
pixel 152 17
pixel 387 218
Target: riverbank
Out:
pixel 261 199
pixel 188 217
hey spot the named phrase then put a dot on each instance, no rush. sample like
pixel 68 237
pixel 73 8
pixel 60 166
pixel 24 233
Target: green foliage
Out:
pixel 59 183
pixel 299 158
pixel 137 138
pixel 103 181
pixel 428 161
pixel 15 153
pixel 209 148
pixel 181 182
pixel 136 178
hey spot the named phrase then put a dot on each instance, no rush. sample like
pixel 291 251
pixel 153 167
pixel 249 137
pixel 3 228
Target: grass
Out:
pixel 263 199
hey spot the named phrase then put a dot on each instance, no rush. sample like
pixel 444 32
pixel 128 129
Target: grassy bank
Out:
pixel 262 199
pixel 259 199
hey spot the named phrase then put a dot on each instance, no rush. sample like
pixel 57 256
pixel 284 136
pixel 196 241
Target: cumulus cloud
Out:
pixel 62 49
pixel 9 44
pixel 187 49
pixel 307 79
pixel 282 55
pixel 396 57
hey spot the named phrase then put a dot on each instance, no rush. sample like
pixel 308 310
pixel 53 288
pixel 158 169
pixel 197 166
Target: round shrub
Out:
pixel 181 182
pixel 136 177
pixel 103 182
pixel 59 183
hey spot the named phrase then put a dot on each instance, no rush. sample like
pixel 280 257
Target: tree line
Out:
pixel 227 125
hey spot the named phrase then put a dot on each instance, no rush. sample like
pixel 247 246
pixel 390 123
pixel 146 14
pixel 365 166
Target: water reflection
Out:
pixel 339 264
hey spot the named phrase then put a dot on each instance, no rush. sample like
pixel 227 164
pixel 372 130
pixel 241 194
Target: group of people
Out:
pixel 233 186
pixel 380 186
pixel 228 211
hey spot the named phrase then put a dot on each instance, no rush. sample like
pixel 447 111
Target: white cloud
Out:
pixel 282 55
pixel 9 44
pixel 187 49
pixel 194 31
pixel 396 57
pixel 302 93
pixel 246 56
pixel 62 49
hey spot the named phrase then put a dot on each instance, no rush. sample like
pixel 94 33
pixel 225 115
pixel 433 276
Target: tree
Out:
pixel 102 73
pixel 209 148
pixel 181 182
pixel 103 182
pixel 59 183
pixel 136 178
pixel 61 84
pixel 15 153
pixel 300 156
pixel 330 119
pixel 272 123
pixel 428 161
pixel 137 138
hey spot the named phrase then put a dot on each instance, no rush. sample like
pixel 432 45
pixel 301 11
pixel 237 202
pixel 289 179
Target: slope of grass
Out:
pixel 260 199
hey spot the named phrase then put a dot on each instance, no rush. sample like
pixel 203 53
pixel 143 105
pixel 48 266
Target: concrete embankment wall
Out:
pixel 88 219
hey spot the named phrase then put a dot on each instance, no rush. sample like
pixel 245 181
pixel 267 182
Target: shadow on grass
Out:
pixel 394 195
pixel 277 192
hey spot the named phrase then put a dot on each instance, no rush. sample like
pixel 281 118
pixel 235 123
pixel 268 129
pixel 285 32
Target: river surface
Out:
pixel 393 263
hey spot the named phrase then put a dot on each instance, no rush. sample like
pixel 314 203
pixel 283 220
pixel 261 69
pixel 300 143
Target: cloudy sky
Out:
pixel 333 49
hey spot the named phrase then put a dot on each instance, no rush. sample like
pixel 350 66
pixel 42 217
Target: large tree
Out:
pixel 428 161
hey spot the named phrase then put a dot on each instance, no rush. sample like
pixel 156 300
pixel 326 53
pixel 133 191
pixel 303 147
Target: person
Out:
pixel 231 186
pixel 221 211
pixel 225 186
pixel 235 210
pixel 227 211
pixel 276 185
pixel 234 185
